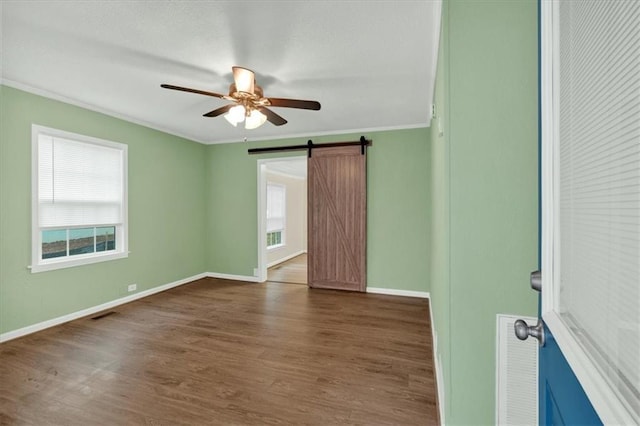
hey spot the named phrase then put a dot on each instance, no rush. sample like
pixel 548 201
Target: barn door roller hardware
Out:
pixel 310 146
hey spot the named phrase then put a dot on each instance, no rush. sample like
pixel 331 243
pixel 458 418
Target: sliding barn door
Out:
pixel 337 197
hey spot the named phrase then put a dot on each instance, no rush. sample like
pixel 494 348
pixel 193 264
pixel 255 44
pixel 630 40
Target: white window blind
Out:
pixel 78 183
pixel 276 207
pixel 599 186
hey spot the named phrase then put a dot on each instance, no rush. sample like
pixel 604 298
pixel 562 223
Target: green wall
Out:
pixel 166 213
pixel 398 206
pixel 484 177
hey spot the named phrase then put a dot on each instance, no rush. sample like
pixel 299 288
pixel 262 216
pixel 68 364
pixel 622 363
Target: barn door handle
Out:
pixel 523 331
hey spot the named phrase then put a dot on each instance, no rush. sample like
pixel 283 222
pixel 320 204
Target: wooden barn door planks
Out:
pixel 337 201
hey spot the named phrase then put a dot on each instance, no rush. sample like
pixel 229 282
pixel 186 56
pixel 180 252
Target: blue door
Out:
pixel 589 372
pixel 561 397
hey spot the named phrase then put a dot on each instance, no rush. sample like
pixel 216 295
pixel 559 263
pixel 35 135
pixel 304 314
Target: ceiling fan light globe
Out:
pixel 235 115
pixel 244 79
pixel 230 120
pixel 254 120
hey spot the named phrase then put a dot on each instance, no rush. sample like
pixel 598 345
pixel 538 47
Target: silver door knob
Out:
pixel 536 281
pixel 523 331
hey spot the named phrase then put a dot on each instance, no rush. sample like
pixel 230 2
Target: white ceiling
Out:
pixel 371 64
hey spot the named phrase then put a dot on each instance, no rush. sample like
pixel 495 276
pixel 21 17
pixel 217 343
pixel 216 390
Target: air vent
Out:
pixel 106 314
pixel 516 375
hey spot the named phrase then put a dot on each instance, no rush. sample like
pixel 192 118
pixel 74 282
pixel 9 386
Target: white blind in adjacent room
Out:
pixel 79 183
pixel 599 186
pixel 275 207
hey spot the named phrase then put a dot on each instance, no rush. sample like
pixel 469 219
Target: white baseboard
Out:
pixel 231 277
pixel 394 292
pixel 284 259
pixel 437 365
pixel 92 310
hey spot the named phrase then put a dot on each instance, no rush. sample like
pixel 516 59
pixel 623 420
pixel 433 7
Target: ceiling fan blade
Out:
pixel 273 118
pixel 186 89
pixel 219 111
pixel 294 103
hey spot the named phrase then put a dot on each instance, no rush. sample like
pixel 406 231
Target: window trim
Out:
pixel 122 230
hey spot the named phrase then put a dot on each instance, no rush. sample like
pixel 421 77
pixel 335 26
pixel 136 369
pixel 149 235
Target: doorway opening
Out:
pixel 292 271
pixel 282 220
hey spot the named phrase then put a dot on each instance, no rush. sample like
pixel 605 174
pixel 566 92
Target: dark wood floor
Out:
pixel 222 352
pixel 292 271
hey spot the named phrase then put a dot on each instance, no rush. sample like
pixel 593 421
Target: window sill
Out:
pixel 275 247
pixel 52 265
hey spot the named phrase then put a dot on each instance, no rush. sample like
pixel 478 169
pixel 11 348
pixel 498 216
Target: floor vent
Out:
pixel 106 314
pixel 516 375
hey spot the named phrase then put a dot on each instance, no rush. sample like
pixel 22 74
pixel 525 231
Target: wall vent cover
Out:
pixel 106 314
pixel 516 374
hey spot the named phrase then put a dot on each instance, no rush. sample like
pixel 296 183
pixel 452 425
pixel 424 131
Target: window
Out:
pixel 79 199
pixel 591 208
pixel 276 208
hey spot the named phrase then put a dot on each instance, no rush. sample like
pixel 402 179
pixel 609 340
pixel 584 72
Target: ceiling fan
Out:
pixel 249 104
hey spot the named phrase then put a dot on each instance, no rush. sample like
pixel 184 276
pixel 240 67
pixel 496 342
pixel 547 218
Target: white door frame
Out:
pixel 262 212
